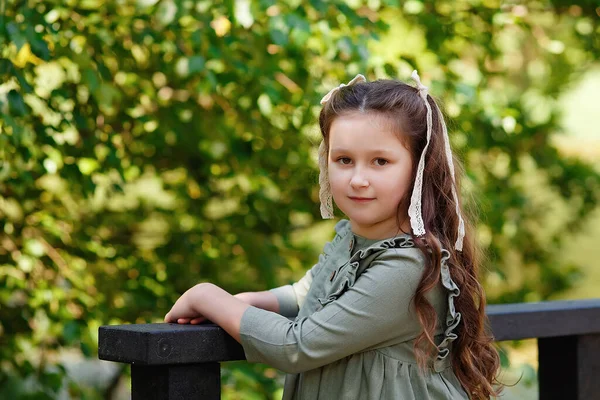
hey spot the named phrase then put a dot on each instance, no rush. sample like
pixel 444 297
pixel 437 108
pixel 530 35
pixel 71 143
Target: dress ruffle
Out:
pixel 342 229
pixel 452 317
pixel 346 279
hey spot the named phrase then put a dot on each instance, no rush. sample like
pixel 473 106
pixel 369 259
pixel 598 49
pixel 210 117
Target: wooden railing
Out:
pixel 170 361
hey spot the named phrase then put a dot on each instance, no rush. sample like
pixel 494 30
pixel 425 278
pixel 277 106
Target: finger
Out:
pixel 196 321
pixel 183 320
pixel 170 318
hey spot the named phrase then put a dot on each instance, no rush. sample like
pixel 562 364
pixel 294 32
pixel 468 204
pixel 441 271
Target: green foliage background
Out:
pixel 147 145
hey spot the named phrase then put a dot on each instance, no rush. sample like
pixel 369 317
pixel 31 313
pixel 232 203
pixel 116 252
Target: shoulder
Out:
pixel 400 267
pixel 407 261
pixel 343 231
pixel 401 255
pixel 398 251
pixel 394 273
pixel 342 227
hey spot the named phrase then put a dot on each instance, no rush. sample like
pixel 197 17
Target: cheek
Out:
pixel 336 173
pixel 336 179
pixel 331 172
pixel 401 185
pixel 333 176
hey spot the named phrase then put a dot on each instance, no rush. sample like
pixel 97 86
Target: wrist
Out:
pixel 200 293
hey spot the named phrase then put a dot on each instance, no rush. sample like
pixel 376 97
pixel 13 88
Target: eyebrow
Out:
pixel 383 152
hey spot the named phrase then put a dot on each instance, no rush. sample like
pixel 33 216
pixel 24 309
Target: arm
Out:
pixel 265 300
pixel 375 312
pixel 291 297
pixel 208 301
pixel 285 300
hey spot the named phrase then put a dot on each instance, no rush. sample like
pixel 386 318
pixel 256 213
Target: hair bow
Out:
pixel 357 78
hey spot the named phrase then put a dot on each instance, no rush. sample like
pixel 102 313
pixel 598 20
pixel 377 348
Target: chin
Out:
pixel 364 221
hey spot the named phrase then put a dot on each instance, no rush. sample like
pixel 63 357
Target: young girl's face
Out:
pixel 370 172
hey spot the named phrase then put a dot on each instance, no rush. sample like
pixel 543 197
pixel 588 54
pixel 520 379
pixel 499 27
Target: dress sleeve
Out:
pixel 377 309
pixel 291 297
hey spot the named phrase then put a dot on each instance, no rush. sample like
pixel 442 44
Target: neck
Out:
pixel 380 231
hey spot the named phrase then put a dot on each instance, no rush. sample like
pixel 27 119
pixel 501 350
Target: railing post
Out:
pixel 569 367
pixel 568 334
pixel 186 381
pixel 170 361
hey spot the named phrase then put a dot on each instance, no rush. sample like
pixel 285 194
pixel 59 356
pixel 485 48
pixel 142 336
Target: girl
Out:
pixel 393 308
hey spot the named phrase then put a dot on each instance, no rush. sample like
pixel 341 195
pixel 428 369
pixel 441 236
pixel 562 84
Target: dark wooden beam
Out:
pixel 160 344
pixel 171 361
pixel 544 320
pixel 166 344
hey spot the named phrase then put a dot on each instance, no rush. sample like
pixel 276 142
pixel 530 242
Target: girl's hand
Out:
pixel 185 309
pixel 206 301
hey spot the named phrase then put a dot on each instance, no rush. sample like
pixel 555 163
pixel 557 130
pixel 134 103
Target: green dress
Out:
pixel 353 336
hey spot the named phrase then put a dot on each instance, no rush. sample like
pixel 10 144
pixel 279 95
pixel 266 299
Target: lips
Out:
pixel 361 199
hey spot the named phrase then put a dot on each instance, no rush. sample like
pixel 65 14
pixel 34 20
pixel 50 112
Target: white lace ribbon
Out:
pixel 415 213
pixel 325 195
pixel 324 186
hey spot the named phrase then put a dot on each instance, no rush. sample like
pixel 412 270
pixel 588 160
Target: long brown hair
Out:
pixel 475 360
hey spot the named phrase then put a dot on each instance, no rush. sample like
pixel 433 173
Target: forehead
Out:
pixel 364 129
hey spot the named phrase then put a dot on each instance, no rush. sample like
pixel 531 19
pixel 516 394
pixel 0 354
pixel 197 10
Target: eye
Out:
pixel 381 162
pixel 344 160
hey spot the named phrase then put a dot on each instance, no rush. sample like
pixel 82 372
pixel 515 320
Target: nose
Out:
pixel 359 180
